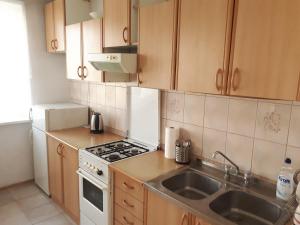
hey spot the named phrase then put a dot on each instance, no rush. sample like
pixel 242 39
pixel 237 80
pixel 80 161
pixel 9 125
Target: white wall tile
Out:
pixel 75 91
pixel 109 117
pixel 294 133
pixel 175 105
pixel 242 116
pixel 294 154
pixel 101 94
pixel 213 140
pixel 239 149
pixel 84 93
pixel 121 120
pixel 194 109
pixel 110 96
pixel 268 158
pixel 93 94
pixel 272 122
pixel 164 96
pixel 216 112
pixel 121 98
pixel 195 133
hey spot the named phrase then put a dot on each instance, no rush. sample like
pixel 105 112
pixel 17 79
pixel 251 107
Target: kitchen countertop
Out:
pixel 145 167
pixel 81 137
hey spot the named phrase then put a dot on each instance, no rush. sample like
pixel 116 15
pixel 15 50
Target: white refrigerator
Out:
pixel 50 117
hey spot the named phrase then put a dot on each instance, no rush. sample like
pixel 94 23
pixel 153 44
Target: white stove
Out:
pixel 94 177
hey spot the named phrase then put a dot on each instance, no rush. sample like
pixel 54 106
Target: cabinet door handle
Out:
pixel 127 204
pixel 128 186
pixel 52 44
pixel 219 78
pixel 78 72
pixel 127 222
pixel 198 222
pixel 85 72
pixel 57 149
pixel 55 42
pixel 125 30
pixel 183 219
pixel 235 81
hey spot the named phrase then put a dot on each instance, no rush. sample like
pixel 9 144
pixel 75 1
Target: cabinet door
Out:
pixel 203 40
pixel 71 182
pixel 157 44
pixel 59 24
pixel 92 43
pixel 49 27
pixel 74 51
pixel 116 23
pixel 55 170
pixel 266 49
pixel 171 214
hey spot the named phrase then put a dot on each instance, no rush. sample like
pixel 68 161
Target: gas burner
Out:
pixel 134 151
pixel 113 157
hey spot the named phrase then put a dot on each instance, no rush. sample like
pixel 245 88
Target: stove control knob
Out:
pixel 99 172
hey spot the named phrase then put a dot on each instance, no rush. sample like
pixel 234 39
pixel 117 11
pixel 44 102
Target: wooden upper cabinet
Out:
pixel 116 22
pixel 92 43
pixel 166 214
pixel 59 25
pixel 157 44
pixel 203 45
pixel 55 170
pixel 266 49
pixel 71 181
pixel 49 26
pixel 55 26
pixel 74 51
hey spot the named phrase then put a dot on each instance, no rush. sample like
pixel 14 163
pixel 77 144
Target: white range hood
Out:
pixel 114 62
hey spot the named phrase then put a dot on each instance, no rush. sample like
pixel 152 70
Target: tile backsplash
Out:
pixel 256 134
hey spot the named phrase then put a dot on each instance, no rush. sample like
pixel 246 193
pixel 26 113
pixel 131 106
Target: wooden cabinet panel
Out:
pixel 123 216
pixel 55 170
pixel 92 43
pixel 49 26
pixel 74 51
pixel 198 221
pixel 266 49
pixel 129 186
pixel 116 19
pixel 163 212
pixel 157 44
pixel 129 203
pixel 71 181
pixel 202 42
pixel 59 24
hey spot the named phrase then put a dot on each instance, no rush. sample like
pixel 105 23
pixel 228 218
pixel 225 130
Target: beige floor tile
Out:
pixel 5 197
pixel 56 220
pixel 9 210
pixel 24 191
pixel 42 213
pixel 33 201
pixel 16 219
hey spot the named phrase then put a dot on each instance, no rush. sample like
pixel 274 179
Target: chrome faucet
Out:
pixel 227 167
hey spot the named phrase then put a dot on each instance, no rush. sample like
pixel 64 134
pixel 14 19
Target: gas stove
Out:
pixel 116 151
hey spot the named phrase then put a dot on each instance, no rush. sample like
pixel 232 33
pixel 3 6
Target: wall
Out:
pixel 16 163
pixel 256 134
pixel 109 99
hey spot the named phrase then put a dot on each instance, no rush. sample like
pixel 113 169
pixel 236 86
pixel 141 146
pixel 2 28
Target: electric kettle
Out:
pixel 96 123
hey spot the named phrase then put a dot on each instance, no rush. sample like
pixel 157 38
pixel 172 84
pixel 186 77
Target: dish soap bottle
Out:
pixel 285 183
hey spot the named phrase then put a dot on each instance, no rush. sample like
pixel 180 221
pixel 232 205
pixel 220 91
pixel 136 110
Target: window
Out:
pixel 15 95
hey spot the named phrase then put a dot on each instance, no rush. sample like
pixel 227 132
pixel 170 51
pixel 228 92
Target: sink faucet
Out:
pixel 227 167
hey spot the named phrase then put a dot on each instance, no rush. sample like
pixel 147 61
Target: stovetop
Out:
pixel 116 151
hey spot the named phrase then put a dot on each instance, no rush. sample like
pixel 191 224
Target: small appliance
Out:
pixel 97 123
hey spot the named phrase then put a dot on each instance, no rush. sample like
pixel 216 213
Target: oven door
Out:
pixel 93 198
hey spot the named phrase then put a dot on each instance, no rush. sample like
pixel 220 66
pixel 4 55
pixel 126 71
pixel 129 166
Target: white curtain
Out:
pixel 15 96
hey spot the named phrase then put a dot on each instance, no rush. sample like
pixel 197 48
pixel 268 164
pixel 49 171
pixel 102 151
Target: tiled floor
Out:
pixel 26 205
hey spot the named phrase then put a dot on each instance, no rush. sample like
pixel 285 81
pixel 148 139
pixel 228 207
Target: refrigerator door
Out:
pixel 40 159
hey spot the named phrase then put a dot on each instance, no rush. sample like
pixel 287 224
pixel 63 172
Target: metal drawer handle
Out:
pixel 183 219
pixel 219 78
pixel 127 204
pixel 52 44
pixel 124 38
pixel 235 79
pixel 55 41
pixel 128 186
pixel 57 149
pixel 85 72
pixel 78 72
pixel 128 222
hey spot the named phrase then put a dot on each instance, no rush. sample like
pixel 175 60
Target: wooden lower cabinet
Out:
pixel 163 212
pixel 63 179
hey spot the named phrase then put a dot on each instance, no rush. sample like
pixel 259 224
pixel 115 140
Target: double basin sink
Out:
pixel 204 192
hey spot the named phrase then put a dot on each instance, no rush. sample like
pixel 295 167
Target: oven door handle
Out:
pixel 91 179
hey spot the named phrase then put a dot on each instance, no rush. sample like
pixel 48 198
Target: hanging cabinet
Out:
pixel 82 39
pixel 55 26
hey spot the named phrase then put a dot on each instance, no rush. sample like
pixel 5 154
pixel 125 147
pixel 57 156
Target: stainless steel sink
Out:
pixel 246 209
pixel 192 185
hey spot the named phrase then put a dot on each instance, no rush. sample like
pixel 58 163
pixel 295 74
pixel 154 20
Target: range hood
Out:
pixel 114 62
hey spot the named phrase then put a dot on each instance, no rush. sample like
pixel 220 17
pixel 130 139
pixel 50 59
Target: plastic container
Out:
pixel 285 182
